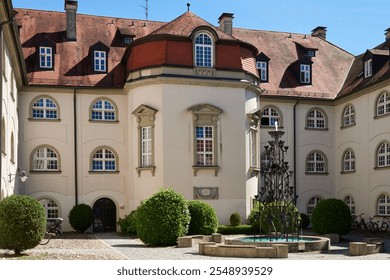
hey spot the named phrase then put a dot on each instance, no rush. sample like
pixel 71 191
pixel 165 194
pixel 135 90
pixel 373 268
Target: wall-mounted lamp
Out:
pixel 21 174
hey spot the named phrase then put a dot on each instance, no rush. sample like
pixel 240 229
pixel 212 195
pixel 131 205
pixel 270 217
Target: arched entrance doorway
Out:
pixel 104 212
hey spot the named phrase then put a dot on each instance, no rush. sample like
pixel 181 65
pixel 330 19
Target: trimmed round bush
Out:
pixel 203 218
pixel 331 216
pixel 127 225
pixel 22 223
pixel 81 217
pixel 235 219
pixel 162 218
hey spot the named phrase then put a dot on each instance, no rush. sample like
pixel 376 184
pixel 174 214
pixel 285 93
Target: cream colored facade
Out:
pixel 11 79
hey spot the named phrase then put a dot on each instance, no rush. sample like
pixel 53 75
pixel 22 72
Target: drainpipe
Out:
pixel 295 151
pixel 1 88
pixel 75 145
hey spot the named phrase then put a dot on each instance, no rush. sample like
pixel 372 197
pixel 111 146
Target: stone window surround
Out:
pixel 44 108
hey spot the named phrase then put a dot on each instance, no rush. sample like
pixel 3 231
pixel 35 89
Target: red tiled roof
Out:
pixel 330 65
pixel 73 64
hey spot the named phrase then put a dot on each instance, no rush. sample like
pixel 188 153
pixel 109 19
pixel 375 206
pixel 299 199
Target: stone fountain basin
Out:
pixel 304 244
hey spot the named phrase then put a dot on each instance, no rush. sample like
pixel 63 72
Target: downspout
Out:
pixel 295 151
pixel 1 89
pixel 75 145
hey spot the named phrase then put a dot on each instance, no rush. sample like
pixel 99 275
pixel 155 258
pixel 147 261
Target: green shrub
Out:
pixel 162 218
pixel 274 211
pixel 22 223
pixel 235 219
pixel 81 217
pixel 241 229
pixel 127 225
pixel 305 220
pixel 331 216
pixel 203 218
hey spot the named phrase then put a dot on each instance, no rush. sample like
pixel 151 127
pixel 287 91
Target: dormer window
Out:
pixel 368 68
pixel 46 57
pixel 203 50
pixel 311 53
pixel 262 67
pixel 128 40
pixel 305 74
pixel 100 61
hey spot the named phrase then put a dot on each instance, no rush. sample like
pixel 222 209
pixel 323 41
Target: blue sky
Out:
pixel 354 25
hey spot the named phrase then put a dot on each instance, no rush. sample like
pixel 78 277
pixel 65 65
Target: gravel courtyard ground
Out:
pixel 113 246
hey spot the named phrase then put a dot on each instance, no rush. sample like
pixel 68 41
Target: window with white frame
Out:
pixel 316 119
pixel 44 108
pixel 265 161
pixel 103 110
pixel 104 159
pixel 383 155
pixel 203 50
pixel 269 117
pixel 312 204
pixel 262 67
pixel 204 146
pixel 145 117
pixel 368 68
pixel 45 159
pixel 100 61
pixel 383 104
pixel 316 163
pixel 350 202
pixel 205 123
pixel 46 57
pixel 349 161
pixel 146 146
pixel 3 135
pixel 305 73
pixel 384 204
pixel 12 158
pixel 349 116
pixel 51 208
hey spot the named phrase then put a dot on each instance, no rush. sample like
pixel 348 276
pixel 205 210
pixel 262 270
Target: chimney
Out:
pixel 387 34
pixel 319 31
pixel 226 23
pixel 71 9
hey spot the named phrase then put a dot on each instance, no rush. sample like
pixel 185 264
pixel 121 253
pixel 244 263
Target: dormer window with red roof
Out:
pixel 305 73
pixel 203 50
pixel 100 61
pixel 46 57
pixel 368 68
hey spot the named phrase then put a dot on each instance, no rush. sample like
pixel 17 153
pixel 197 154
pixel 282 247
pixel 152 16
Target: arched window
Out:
pixel 269 116
pixel 203 50
pixel 316 163
pixel 51 208
pixel 103 110
pixel 384 205
pixel 350 202
pixel 349 116
pixel 383 155
pixel 44 108
pixel 104 159
pixel 45 159
pixel 349 161
pixel 312 204
pixel 316 119
pixel 383 104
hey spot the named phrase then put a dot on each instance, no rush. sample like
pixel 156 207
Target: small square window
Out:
pixel 128 40
pixel 311 53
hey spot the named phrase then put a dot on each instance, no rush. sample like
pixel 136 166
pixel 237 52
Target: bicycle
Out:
pixel 53 230
pixel 362 225
pixel 384 226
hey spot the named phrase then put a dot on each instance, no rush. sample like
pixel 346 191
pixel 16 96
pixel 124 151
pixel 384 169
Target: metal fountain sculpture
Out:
pixel 277 216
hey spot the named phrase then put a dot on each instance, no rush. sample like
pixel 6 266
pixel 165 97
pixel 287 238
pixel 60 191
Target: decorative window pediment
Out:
pixel 205 128
pixel 146 117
